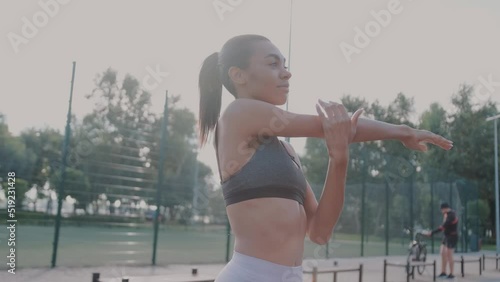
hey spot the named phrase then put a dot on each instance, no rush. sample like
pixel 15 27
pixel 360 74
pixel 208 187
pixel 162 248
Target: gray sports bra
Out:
pixel 271 172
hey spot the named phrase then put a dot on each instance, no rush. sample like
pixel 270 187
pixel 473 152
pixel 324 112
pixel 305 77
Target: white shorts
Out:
pixel 243 268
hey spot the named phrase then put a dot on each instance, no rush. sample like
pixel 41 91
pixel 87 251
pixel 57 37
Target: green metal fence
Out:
pixel 116 167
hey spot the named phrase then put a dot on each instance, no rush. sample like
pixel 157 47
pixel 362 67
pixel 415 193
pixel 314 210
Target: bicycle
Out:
pixel 417 252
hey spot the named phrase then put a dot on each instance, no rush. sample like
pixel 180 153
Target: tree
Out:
pixel 125 138
pixel 14 158
pixel 46 145
pixel 120 133
pixel 21 187
pixel 78 183
pixel 479 209
pixel 473 137
pixel 13 153
pixel 436 161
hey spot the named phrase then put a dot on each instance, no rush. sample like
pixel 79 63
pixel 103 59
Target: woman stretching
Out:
pixel 270 205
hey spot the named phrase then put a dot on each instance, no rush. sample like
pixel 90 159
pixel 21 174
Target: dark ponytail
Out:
pixel 236 52
pixel 210 95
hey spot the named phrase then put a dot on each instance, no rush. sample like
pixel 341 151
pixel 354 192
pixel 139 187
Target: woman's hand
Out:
pixel 417 139
pixel 339 129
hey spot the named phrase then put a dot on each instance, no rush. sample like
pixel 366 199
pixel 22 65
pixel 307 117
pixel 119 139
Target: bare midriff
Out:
pixel 271 229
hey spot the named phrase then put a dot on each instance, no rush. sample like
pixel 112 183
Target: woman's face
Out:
pixel 266 77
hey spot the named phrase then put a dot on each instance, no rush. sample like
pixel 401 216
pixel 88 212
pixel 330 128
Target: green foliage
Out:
pixel 77 185
pixel 473 150
pixel 46 145
pixel 481 208
pixel 21 187
pixel 125 137
pixel 114 151
pixel 374 163
pixel 13 153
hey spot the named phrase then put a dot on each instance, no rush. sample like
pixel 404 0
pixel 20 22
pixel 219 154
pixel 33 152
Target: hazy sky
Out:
pixel 425 50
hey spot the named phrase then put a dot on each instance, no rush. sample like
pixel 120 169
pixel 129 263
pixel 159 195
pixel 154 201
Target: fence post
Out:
pixel 408 274
pixel 95 276
pixel 385 270
pixel 62 181
pixel 462 265
pixel 361 272
pixel 363 211
pixel 228 238
pixel 434 274
pixel 480 268
pixel 315 274
pixel 432 213
pixel 163 143
pixel 386 217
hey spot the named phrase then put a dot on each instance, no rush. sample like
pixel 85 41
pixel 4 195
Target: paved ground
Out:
pixel 373 272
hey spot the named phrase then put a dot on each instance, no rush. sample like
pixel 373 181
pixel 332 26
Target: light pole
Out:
pixel 497 214
pixel 287 139
pixel 194 216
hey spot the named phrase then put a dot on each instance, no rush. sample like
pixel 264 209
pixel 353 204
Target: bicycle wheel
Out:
pixel 409 260
pixel 422 258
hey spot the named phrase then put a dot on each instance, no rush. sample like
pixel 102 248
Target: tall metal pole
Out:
pixel 63 172
pixel 195 186
pixel 497 215
pixel 497 199
pixel 363 209
pixel 432 211
pixel 412 218
pixel 163 145
pixel 465 238
pixel 289 53
pixel 477 215
pixel 386 217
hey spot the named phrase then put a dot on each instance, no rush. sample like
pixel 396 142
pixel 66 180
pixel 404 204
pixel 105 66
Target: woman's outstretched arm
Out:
pixel 255 118
pixel 415 139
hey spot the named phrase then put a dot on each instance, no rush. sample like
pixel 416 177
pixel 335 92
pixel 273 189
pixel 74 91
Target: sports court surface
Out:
pixel 372 271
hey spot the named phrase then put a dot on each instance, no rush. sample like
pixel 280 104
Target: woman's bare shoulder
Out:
pixel 253 117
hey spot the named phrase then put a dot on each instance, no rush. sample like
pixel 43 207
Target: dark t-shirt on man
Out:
pixel 449 228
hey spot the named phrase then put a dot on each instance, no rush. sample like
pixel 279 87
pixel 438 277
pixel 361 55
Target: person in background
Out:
pixel 450 239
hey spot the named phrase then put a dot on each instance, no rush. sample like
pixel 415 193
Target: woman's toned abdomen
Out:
pixel 272 229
